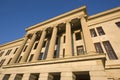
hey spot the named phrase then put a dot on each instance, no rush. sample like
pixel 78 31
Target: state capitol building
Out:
pixel 71 46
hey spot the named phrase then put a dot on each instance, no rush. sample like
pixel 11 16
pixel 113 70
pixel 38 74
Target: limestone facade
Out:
pixel 72 46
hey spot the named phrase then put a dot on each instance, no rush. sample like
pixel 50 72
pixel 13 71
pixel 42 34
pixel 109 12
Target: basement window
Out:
pixel 81 76
pixel 118 24
pixel 54 76
pixel 18 77
pixel 6 77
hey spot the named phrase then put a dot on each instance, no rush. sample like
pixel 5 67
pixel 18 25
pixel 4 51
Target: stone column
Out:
pixel 2 76
pixel 43 76
pixel 12 77
pixel 26 76
pixel 66 76
pixel 40 44
pixel 26 54
pixel 68 42
pixel 87 38
pixel 52 44
pixel 19 50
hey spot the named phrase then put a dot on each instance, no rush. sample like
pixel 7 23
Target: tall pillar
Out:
pixel 67 76
pixel 19 50
pixel 68 42
pixel 38 50
pixel 52 44
pixel 26 54
pixel 26 76
pixel 43 76
pixel 12 77
pixel 87 38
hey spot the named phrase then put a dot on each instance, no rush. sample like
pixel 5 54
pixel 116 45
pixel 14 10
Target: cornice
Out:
pixel 104 13
pixel 12 42
pixel 86 57
pixel 83 8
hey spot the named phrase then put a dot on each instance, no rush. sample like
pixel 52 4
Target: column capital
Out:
pixel 68 21
pixel 38 32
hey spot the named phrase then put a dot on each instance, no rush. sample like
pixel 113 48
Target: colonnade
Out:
pixel 68 45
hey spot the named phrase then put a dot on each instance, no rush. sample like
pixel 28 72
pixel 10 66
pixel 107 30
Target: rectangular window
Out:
pixel 118 24
pixel 100 31
pixel 78 36
pixel 55 54
pixel 64 39
pixel 36 44
pixel 109 50
pixel 98 47
pixel 8 52
pixel 40 56
pixel 6 77
pixel 81 76
pixel 15 50
pixel 34 76
pixel 54 76
pixel 18 77
pixel 93 33
pixel 9 60
pixel 57 40
pixel 25 48
pixel 31 57
pixel 80 50
pixel 44 43
pixel 1 53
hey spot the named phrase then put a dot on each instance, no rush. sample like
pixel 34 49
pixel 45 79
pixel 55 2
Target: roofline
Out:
pixel 58 17
pixel 104 13
pixel 11 42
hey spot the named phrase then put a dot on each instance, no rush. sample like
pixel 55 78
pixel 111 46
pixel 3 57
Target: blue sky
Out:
pixel 16 15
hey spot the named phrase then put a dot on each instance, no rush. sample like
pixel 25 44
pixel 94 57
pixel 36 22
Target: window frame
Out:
pixel 93 32
pixel 100 31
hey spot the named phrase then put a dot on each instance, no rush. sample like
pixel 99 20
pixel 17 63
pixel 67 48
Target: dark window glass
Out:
pixel 78 36
pixel 31 57
pixel 8 52
pixel 1 53
pixel 9 60
pixel 6 77
pixel 15 50
pixel 57 40
pixel 80 50
pixel 44 43
pixel 34 76
pixel 118 24
pixel 93 33
pixel 25 48
pixel 64 39
pixel 40 56
pixel 98 48
pixel 109 50
pixel 55 54
pixel 36 44
pixel 18 77
pixel 100 31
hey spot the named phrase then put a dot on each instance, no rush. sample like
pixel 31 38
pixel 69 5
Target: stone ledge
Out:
pixel 59 60
pixel 113 64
